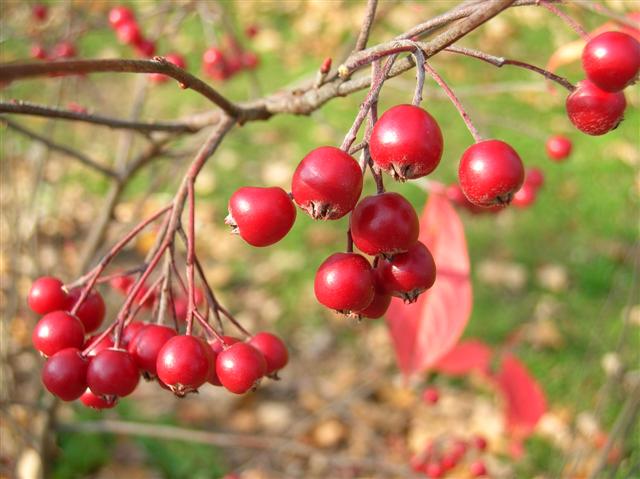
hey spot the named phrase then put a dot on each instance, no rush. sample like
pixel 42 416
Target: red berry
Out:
pixel 249 60
pixel 40 12
pixel 406 142
pixel 38 51
pixel 490 172
pixel 240 367
pixel 611 60
pixel 184 363
pixel 112 372
pixel 176 59
pixel 594 111
pixel 91 312
pixel 56 331
pixel 129 33
pixel 214 64
pixel 384 224
pixel 479 442
pixel 273 349
pixel 408 274
pixel 97 402
pixel 525 196
pixel 251 30
pixel 228 341
pixel 121 283
pixel 558 147
pixel 430 395
pixel 130 331
pixel 46 295
pixel 458 449
pixel 448 462
pixel 327 183
pixel 105 343
pixel 434 470
pixel 146 345
pixel 64 50
pixel 345 282
pixel 380 303
pixel 478 469
pixel 262 216
pixel 64 374
pixel 145 48
pixel 120 15
pixel 216 348
pixel 456 196
pixel 534 177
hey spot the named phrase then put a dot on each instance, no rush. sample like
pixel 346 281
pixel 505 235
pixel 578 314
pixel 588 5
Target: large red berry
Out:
pixel 611 60
pixel 56 331
pixel 129 33
pixel 64 374
pixel 406 142
pixel 97 402
pixel 345 282
pixel 46 295
pixel 112 372
pixel 273 349
pixel 262 216
pixel 384 224
pixel 91 312
pixel 214 64
pixel 240 367
pixel 380 303
pixel 558 147
pixel 408 274
pixel 216 348
pixel 184 364
pixel 595 111
pixel 176 59
pixel 146 345
pixel 327 183
pixel 120 15
pixel 490 172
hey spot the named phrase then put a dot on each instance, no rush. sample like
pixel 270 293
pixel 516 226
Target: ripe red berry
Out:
pixel 64 50
pixel 145 48
pixel 46 295
pixel 38 51
pixel 430 395
pixel 104 343
pixel 214 64
pixel 216 348
pixel 611 60
pixel 176 59
pixel 406 142
pixel 251 30
pixel 345 282
pixel 64 374
pixel 91 312
pixel 240 367
pixel 184 364
pixel 408 274
pixel 249 60
pixel 97 402
pixel 130 331
pixel 128 33
pixel 40 12
pixel 112 372
pixel 490 172
pixel 121 283
pixel 146 345
pixel 262 216
pixel 380 303
pixel 558 147
pixel 57 331
pixel 534 177
pixel 434 470
pixel 448 462
pixel 327 183
pixel 273 349
pixel 525 196
pixel 120 15
pixel 478 469
pixel 384 224
pixel 228 341
pixel 594 111
pixel 479 442
pixel 458 449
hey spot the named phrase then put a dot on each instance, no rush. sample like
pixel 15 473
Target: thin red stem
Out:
pixel 191 241
pixel 575 26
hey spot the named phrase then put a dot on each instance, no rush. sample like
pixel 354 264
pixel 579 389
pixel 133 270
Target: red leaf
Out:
pixel 465 357
pixel 424 331
pixel 524 398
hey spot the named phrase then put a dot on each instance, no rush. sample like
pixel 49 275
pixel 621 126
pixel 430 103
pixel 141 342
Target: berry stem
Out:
pixel 191 240
pixel 420 62
pixel 148 294
pixel 575 26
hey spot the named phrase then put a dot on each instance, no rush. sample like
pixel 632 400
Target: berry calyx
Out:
pixel 184 364
pixel 97 402
pixel 64 374
pixel 112 372
pixel 46 295
pixel 490 173
pixel 345 282
pixel 595 111
pixel 273 349
pixel 57 331
pixel 406 142
pixel 240 367
pixel 92 311
pixel 261 216
pixel 327 183
pixel 611 60
pixel 384 224
pixel 558 147
pixel 408 274
pixel 146 345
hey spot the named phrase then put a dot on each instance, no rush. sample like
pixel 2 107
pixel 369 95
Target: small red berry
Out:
pixel 534 177
pixel 327 183
pixel 490 172
pixel 273 349
pixel 406 142
pixel 458 449
pixel 216 348
pixel 384 224
pixel 478 469
pixel 594 111
pixel 184 364
pixel 251 30
pixel 120 15
pixel 611 60
pixel 38 51
pixel 479 442
pixel 380 303
pixel 64 374
pixel 92 311
pixel 262 216
pixel 128 33
pixel 558 147
pixel 430 395
pixel 121 283
pixel 145 48
pixel 130 331
pixel 104 343
pixel 240 367
pixel 448 462
pixel 146 345
pixel 47 295
pixel 525 196
pixel 175 58
pixel 249 60
pixel 40 12
pixel 64 50
pixel 112 372
pixel 214 64
pixel 408 274
pixel 56 331
pixel 434 470
pixel 97 402
pixel 345 282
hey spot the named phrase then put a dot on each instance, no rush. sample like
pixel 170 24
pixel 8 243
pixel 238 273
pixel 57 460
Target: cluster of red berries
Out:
pixel 61 50
pixel 438 458
pixel 123 21
pixel 101 368
pixel 220 66
pixel 611 62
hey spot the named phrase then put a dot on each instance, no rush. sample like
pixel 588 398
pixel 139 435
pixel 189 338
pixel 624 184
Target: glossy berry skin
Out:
pixel 327 183
pixel 490 172
pixel 57 331
pixel 128 33
pixel 146 345
pixel 92 311
pixel 130 331
pixel 262 216
pixel 104 343
pixel 611 60
pixel 478 469
pixel 594 111
pixel 408 274
pixel 184 363
pixel 112 372
pixel 240 367
pixel 64 374
pixel 406 142
pixel 525 196
pixel 558 147
pixel 273 349
pixel 216 348
pixel 120 15
pixel 384 224
pixel 97 402
pixel 345 282
pixel 46 295
pixel 534 177
pixel 176 59
pixel 214 64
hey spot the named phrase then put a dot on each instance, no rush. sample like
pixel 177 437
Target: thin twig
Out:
pixel 367 23
pixel 575 26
